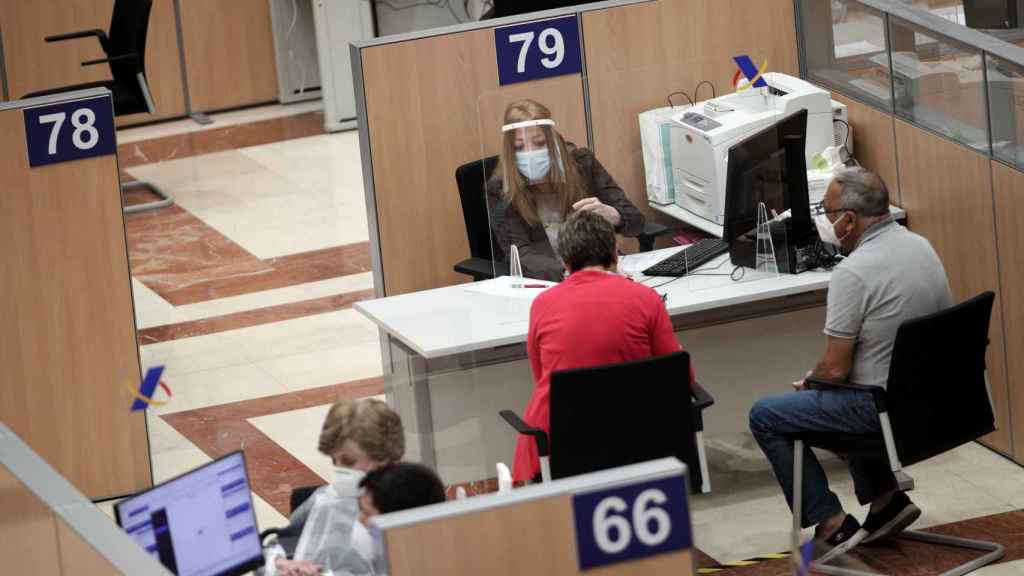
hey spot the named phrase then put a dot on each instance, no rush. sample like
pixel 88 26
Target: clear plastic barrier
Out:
pixel 1006 109
pixel 939 84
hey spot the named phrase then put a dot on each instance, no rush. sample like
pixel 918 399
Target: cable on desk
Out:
pixel 702 83
pixel 669 98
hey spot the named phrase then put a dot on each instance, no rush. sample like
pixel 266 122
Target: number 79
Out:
pixel 551 43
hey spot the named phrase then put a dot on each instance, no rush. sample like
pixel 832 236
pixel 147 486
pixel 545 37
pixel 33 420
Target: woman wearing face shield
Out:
pixel 359 436
pixel 539 181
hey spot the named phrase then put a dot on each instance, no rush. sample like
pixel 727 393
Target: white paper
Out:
pixel 635 264
pixel 505 286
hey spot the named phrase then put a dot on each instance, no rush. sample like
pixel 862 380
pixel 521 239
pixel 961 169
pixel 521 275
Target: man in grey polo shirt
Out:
pixel 890 275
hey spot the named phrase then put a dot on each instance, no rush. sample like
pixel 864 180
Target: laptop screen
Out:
pixel 201 523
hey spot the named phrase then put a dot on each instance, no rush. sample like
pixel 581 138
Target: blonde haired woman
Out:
pixel 359 436
pixel 540 180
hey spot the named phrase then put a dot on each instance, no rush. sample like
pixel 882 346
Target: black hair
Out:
pixel 401 486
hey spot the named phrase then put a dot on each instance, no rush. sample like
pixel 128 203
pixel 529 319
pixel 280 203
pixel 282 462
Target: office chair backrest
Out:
pixel 937 392
pixel 609 416
pixel 471 179
pixel 129 26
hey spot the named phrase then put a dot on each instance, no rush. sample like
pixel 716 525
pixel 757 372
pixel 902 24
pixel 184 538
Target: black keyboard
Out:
pixel 689 259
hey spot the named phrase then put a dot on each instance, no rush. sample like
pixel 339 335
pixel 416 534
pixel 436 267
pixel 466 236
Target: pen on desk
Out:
pixel 534 286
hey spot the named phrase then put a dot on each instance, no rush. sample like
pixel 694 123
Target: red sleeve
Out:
pixel 532 343
pixel 663 339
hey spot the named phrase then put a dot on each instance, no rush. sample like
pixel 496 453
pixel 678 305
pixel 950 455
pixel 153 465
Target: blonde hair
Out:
pixel 564 176
pixel 368 422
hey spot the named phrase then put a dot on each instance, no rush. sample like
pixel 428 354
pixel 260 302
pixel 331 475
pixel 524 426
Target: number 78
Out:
pixel 551 43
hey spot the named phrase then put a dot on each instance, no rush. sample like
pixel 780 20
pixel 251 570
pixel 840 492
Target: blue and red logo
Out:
pixel 752 72
pixel 143 397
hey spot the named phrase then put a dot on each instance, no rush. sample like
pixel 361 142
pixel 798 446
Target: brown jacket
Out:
pixel 535 253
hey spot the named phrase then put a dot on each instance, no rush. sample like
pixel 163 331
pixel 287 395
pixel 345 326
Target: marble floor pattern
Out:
pixel 243 289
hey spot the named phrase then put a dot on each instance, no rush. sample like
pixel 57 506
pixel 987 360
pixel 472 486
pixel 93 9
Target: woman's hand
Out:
pixel 605 211
pixel 287 567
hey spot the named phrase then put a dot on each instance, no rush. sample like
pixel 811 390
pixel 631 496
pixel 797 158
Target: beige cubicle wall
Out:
pixel 227 45
pixel 433 104
pixel 67 342
pixel 1008 185
pixel 637 55
pixel 229 53
pixel 422 101
pixel 874 142
pixel 33 64
pixel 947 190
pixel 49 528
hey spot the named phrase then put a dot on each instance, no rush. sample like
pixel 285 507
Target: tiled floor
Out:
pixel 244 289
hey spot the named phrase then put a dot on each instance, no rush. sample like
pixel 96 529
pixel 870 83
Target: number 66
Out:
pixel 645 512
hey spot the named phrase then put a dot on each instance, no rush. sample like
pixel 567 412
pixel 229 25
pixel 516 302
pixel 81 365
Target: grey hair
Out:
pixel 862 192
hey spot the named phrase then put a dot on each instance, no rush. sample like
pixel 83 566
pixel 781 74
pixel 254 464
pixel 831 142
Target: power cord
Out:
pixel 680 92
pixel 291 53
pixel 702 83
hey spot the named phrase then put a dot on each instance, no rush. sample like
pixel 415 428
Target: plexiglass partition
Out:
pixel 951 69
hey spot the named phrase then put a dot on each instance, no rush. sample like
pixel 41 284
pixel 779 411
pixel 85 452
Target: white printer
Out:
pixel 700 136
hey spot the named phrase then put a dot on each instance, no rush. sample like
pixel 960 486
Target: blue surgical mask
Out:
pixel 534 165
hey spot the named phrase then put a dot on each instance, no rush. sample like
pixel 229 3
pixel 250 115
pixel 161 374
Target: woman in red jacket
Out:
pixel 594 317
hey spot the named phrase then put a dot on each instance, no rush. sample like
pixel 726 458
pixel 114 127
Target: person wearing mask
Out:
pixel 592 318
pixel 359 436
pixel 540 180
pixel 890 275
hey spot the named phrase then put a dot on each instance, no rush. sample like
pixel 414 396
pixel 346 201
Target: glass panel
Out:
pixel 1006 105
pixel 939 84
pixel 845 46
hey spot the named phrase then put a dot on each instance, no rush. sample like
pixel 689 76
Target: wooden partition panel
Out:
pixel 636 55
pixel 67 341
pixel 874 142
pixel 947 191
pixel 432 105
pixel 1009 199
pixel 33 64
pixel 229 53
pixel 28 537
pixel 34 540
pixel 543 535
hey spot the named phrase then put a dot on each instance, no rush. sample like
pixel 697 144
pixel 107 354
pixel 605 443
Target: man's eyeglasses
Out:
pixel 818 208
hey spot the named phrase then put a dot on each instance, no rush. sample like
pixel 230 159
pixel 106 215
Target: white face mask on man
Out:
pixel 827 231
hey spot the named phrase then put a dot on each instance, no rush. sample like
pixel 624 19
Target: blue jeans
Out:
pixel 773 421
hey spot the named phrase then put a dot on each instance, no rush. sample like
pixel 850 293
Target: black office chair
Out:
pixel 608 416
pixel 936 399
pixel 486 256
pixel 125 50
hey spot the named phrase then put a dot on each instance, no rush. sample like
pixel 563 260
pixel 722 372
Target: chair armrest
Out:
pixel 701 398
pixel 651 231
pixel 523 428
pixel 877 392
pixel 118 58
pixel 478 268
pixel 95 32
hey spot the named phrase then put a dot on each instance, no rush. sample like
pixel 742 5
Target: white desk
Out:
pixel 458 357
pixel 716 229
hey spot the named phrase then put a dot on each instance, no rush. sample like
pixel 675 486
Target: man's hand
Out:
pixel 801 384
pixel 287 567
pixel 605 211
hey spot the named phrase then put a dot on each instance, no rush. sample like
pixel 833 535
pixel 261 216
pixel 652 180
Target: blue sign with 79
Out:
pixel 537 50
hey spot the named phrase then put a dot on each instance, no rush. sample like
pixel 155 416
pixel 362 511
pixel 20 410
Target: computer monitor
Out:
pixel 991 14
pixel 769 167
pixel 201 523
